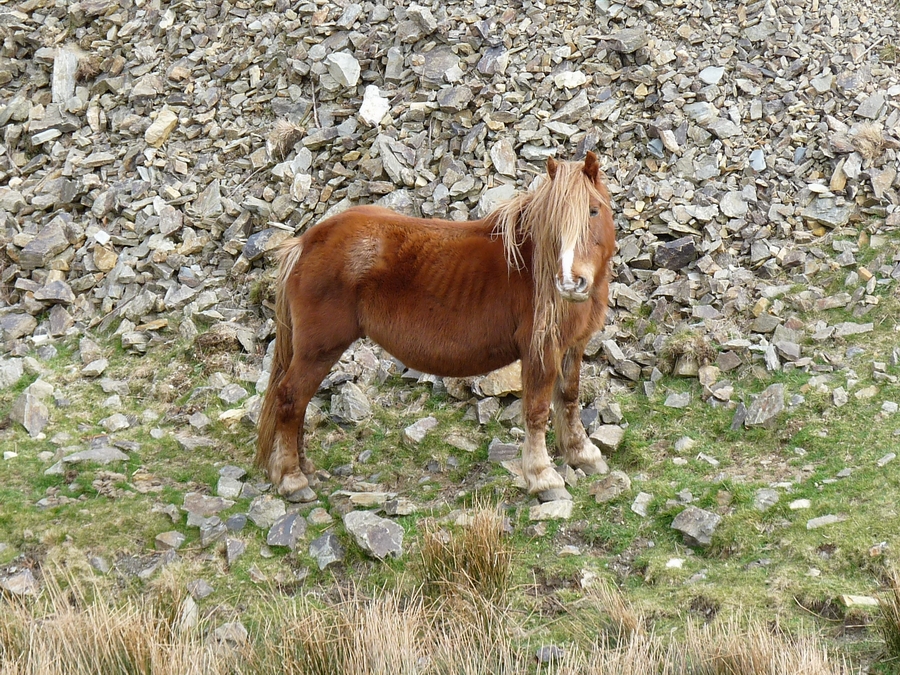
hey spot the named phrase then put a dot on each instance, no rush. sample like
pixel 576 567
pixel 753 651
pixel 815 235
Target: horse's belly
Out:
pixel 462 352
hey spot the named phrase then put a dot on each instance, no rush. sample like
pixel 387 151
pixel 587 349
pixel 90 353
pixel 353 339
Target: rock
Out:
pixel 50 242
pixel 641 504
pixel 234 549
pixel 766 407
pixel 627 41
pixel 327 550
pixel 678 400
pixel 351 404
pixel 62 85
pixel 765 499
pixel 554 510
pixel 733 205
pixel 11 371
pixel 95 368
pixel 696 525
pixel 265 511
pixel 20 583
pixel 199 589
pixel 608 436
pixel 502 452
pixel 157 133
pixel 826 211
pixel 377 536
pixel 822 521
pixel 14 326
pixel 286 531
pixel 212 530
pixel 611 487
pixel 31 412
pixel 415 433
pixel 674 255
pixel 506 380
pixel 233 634
pixel 344 68
pixel 374 106
pixel 169 541
pixel 503 157
pixel 711 74
pixel 204 506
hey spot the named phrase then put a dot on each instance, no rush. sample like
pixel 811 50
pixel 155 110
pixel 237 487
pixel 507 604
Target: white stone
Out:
pixel 374 106
pixel 712 74
pixel 570 79
pixel 344 68
pixel 162 126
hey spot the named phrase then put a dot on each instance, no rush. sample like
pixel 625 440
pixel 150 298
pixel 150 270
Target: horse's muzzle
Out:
pixel 577 290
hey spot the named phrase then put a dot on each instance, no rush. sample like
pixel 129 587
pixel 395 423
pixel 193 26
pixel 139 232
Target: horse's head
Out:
pixel 585 229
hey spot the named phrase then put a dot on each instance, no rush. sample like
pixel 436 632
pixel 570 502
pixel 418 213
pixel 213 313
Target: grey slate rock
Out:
pixel 327 550
pixel 287 530
pixel 696 525
pixel 377 536
pixel 767 406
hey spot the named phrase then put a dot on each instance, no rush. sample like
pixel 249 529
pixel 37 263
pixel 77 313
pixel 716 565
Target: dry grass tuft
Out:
pixel 463 633
pixel 688 345
pixel 625 622
pixel 282 138
pixel 478 559
pixel 89 67
pixel 889 623
pixel 869 140
pixel 71 630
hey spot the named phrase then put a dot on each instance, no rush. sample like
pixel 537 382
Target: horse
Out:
pixel 529 281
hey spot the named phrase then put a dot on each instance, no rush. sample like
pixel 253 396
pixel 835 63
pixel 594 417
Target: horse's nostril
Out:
pixel 581 285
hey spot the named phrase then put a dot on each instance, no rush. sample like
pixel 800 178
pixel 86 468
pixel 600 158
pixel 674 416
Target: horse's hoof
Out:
pixel 554 495
pixel 307 494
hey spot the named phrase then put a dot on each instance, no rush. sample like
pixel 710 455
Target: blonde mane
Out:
pixel 554 216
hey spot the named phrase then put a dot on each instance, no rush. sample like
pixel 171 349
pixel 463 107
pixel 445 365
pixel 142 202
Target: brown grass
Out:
pixel 282 138
pixel 62 632
pixel 869 140
pixel 479 559
pixel 889 622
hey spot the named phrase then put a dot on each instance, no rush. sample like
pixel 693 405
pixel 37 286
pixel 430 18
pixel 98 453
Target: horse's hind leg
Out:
pixel 574 444
pixel 540 476
pixel 288 464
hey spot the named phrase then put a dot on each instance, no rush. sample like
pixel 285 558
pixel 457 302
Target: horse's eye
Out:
pixel 595 211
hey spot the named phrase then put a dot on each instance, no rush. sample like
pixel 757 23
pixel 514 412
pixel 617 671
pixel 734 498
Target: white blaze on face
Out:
pixel 566 259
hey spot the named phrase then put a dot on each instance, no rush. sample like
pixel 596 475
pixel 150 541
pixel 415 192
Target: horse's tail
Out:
pixel 288 255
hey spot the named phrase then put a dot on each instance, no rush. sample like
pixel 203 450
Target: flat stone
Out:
pixel 234 549
pixel 157 133
pixel 711 74
pixel 50 242
pixel 765 499
pixel 351 404
pixel 611 487
pixel 608 436
pixel 16 325
pixel 327 550
pixel 641 504
pixel 872 105
pixel 286 531
pixel 696 525
pixel 822 521
pixel 557 510
pixel 374 106
pixel 415 433
pixel 503 157
pixel 169 541
pixel 766 407
pixel 20 583
pixel 500 382
pixel 31 412
pixel 674 255
pixel 627 40
pixel 204 505
pixel 733 205
pixel 344 68
pixel 554 494
pixel 678 400
pixel 265 511
pixel 11 371
pixel 377 536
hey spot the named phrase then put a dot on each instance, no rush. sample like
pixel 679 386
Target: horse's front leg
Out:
pixel 574 444
pixel 541 477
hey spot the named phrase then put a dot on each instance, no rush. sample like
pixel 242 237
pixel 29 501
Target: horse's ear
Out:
pixel 552 165
pixel 591 167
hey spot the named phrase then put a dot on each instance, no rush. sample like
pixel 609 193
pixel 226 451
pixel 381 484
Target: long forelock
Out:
pixel 554 216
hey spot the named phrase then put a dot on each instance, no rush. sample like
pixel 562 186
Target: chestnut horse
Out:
pixel 530 281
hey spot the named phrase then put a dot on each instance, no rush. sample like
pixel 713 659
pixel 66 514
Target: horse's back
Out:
pixel 436 294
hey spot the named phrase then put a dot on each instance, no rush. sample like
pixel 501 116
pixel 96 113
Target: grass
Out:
pixel 480 588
